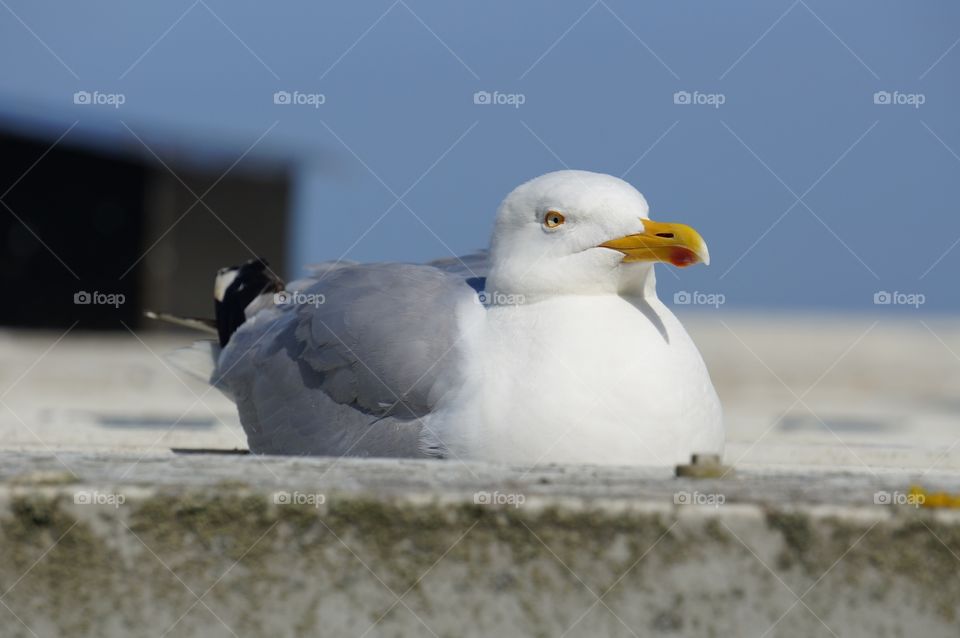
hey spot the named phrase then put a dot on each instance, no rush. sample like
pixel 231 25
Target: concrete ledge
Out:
pixel 116 546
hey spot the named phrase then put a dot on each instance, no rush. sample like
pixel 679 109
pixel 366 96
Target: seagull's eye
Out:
pixel 553 219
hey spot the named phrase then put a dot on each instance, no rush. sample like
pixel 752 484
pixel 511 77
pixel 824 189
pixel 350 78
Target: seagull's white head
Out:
pixel 577 232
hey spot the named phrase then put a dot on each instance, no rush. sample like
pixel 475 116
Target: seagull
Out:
pixel 550 347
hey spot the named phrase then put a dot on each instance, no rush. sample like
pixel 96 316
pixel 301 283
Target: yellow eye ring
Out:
pixel 553 219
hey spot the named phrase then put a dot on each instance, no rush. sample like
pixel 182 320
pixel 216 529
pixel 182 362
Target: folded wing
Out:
pixel 352 360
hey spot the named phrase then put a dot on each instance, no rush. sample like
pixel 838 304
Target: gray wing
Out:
pixel 353 363
pixel 475 265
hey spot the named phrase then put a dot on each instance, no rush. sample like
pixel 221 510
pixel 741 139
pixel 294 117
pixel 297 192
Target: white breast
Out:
pixel 583 379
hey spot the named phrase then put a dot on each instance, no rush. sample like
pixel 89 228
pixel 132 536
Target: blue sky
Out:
pixel 810 194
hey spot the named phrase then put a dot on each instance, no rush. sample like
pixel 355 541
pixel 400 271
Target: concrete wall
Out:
pixel 211 546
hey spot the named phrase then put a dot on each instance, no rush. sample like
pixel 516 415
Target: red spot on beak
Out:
pixel 682 257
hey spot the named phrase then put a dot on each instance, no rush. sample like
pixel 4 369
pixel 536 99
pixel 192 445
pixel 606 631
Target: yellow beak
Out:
pixel 676 244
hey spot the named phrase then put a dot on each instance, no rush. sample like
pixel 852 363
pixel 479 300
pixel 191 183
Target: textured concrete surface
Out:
pixel 120 545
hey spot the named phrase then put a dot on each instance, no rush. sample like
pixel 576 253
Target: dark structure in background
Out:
pixel 89 211
pixel 118 223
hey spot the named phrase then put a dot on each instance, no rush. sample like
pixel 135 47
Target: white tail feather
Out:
pixel 203 325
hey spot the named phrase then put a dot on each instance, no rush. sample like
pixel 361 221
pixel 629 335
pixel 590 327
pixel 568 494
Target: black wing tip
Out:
pixel 235 287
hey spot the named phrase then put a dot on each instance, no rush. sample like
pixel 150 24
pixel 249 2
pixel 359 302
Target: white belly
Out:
pixel 580 379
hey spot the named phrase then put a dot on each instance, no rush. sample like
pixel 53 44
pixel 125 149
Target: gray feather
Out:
pixel 353 375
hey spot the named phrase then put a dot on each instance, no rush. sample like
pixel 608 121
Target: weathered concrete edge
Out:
pixel 199 532
pixel 284 569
